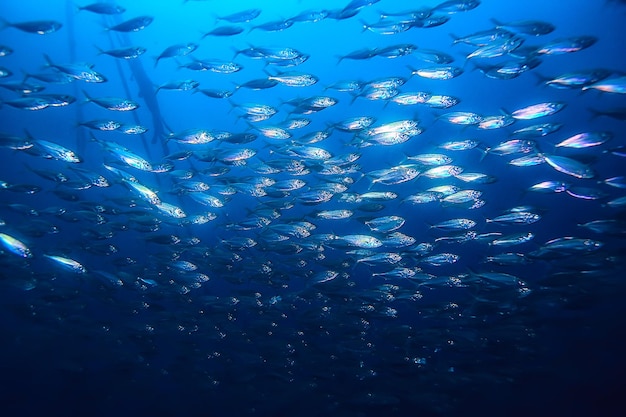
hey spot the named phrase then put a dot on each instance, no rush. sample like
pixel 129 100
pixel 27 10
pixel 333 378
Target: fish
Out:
pixel 569 166
pixel 113 103
pixel 575 80
pixel 566 45
pixel 81 72
pixel 67 264
pixel 585 140
pixel 52 150
pixel 229 30
pixel 361 241
pixel 176 51
pixel 15 246
pixel 123 53
pixel 608 85
pixel 135 24
pixel 535 111
pixel 37 27
pixel 526 27
pixel 103 8
pixel 243 16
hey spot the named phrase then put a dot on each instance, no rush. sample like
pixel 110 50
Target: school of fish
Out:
pixel 342 204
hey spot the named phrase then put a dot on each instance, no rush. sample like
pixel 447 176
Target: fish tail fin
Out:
pixel 496 22
pixel 541 79
pixel 364 24
pixel 4 23
pixel 594 113
pixel 167 127
pixel 88 99
pixel 48 60
pixel 28 135
pixel 26 75
pixel 483 152
pixel 100 50
pixel 233 105
pixel 358 178
pixel 412 69
pixel 455 38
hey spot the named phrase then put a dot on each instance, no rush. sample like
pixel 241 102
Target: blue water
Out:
pixel 252 331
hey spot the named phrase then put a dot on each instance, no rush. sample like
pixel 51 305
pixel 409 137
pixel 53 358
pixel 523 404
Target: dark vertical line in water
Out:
pixel 146 90
pixel 70 10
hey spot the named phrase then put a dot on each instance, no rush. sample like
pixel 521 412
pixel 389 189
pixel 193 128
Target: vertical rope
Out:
pixel 70 11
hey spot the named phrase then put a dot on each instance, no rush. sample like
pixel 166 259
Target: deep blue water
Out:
pixel 307 325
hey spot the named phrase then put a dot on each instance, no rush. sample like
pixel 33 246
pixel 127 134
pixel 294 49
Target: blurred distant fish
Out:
pixel 526 27
pixel 609 85
pixel 175 51
pixel 124 53
pixel 178 85
pixel 105 8
pixel 38 27
pixel 53 150
pixel 133 25
pixel 566 45
pixel 224 31
pixel 244 16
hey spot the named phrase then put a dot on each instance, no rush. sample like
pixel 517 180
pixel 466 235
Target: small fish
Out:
pixel 67 263
pixel 513 240
pixel 461 118
pixel 569 166
pixel 178 85
pixel 538 110
pixel 521 217
pixel 82 72
pixel 526 27
pixel 171 210
pixel 38 27
pixel 224 31
pixel 361 241
pixel 550 187
pixel 585 140
pixel 536 131
pixel 609 85
pixel 133 25
pixel 385 224
pixel 15 246
pixel 103 8
pixel 455 224
pixel 440 259
pixel 53 150
pixel 113 103
pixel 124 53
pixel 176 51
pixel 566 45
pixel 294 79
pixel 438 73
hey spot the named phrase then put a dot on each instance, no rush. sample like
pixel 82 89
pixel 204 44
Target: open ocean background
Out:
pixel 304 324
